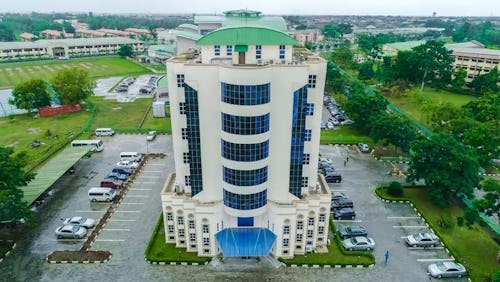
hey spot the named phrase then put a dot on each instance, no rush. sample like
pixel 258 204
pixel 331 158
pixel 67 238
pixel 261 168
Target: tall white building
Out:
pixel 246 111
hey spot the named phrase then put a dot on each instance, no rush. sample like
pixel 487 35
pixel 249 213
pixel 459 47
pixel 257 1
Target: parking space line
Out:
pixel 111 229
pixel 112 220
pixel 132 203
pixel 109 240
pixel 89 211
pixel 68 240
pixel 140 189
pixel 403 217
pixel 346 220
pixel 129 211
pixel 153 171
pixel 137 196
pixel 339 190
pixel 409 226
pixel 433 260
pixel 143 182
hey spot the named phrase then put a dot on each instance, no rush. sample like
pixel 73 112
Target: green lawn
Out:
pixel 472 247
pixel 98 67
pixel 343 135
pixel 120 116
pixel 411 103
pixel 160 124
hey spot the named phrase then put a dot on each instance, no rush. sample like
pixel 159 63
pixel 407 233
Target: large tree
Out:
pixel 73 85
pixel 447 166
pixel 486 82
pixel 434 63
pixel 366 71
pixel 126 51
pixel 484 109
pixel 362 107
pixel 393 129
pixel 6 33
pixel 13 176
pixel 30 95
pixel 490 202
pixel 343 57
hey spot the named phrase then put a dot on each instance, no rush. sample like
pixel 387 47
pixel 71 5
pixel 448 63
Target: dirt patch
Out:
pixel 34 130
pixel 79 256
pixel 13 144
pixel 116 108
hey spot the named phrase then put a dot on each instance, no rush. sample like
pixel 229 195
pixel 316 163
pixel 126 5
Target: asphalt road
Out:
pixel 129 229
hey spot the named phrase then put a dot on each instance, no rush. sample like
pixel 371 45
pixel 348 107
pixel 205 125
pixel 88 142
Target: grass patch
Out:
pixel 160 124
pixel 474 248
pixel 158 251
pixel 336 255
pixel 5 246
pixel 344 135
pixel 122 116
pixel 412 102
pixel 160 68
pixel 98 67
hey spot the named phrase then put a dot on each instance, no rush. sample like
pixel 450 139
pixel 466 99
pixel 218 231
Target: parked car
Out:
pixel 338 195
pixel 111 183
pixel 127 164
pixel 71 231
pixel 325 160
pixel 422 240
pixel 322 125
pixel 114 175
pixel 80 221
pixel 347 121
pixel 344 213
pixel 121 89
pixel 332 176
pixel 341 203
pixel 151 135
pixel 446 269
pixel 121 170
pixel 330 125
pixel 352 231
pixel 359 243
pixel 364 148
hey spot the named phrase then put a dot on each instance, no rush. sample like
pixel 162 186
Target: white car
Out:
pixel 80 221
pixel 151 135
pixel 422 240
pixel 359 243
pixel 446 269
pixel 71 231
pixel 127 164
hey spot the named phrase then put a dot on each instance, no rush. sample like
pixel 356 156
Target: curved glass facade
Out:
pixel 242 125
pixel 244 152
pixel 244 177
pixel 245 202
pixel 247 95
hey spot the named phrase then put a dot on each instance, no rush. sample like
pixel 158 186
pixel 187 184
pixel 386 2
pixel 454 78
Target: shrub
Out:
pixel 395 189
pixel 460 221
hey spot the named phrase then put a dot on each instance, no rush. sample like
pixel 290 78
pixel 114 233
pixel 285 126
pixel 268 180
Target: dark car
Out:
pixel 341 203
pixel 338 195
pixel 332 176
pixel 345 213
pixel 112 183
pixel 122 170
pixel 115 175
pixel 352 231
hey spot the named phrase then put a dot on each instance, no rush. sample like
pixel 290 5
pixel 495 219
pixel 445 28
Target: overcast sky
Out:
pixel 330 7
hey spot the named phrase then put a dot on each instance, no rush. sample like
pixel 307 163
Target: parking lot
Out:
pixel 130 227
pixel 104 85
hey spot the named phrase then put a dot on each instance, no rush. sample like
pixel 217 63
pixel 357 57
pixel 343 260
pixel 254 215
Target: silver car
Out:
pixel 359 243
pixel 422 240
pixel 151 135
pixel 71 231
pixel 447 269
pixel 81 221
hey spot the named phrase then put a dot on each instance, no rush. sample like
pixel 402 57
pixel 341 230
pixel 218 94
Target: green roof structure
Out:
pixel 49 173
pixel 186 34
pixel 162 82
pixel 246 35
pixel 191 26
pixel 244 18
pixel 407 45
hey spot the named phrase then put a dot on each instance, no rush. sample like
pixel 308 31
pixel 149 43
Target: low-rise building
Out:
pixel 160 53
pixel 87 33
pixel 138 32
pixel 306 35
pixel 51 34
pixel 114 32
pixel 27 37
pixel 56 48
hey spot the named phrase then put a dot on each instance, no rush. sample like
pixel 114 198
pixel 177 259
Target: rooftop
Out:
pixel 45 43
pixel 244 18
pixel 186 34
pixel 191 26
pixel 246 35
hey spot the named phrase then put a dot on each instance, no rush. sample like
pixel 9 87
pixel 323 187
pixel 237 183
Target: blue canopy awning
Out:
pixel 245 242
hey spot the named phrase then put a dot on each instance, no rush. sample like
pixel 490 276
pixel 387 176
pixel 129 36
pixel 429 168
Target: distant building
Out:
pixel 51 34
pixel 87 33
pixel 56 48
pixel 306 35
pixel 138 32
pixel 27 37
pixel 160 53
pixel 115 32
pixel 189 28
pixel 472 56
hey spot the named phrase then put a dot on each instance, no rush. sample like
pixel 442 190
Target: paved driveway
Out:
pixel 129 229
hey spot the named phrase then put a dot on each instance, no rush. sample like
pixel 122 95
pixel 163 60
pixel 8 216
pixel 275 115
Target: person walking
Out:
pixel 387 256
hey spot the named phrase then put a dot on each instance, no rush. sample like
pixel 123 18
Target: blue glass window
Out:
pixel 229 50
pixel 245 202
pixel 298 138
pixel 193 139
pixel 245 221
pixel 258 52
pixel 217 50
pixel 282 51
pixel 245 125
pixel 244 152
pixel 307 135
pixel 247 95
pixel 310 109
pixel 245 177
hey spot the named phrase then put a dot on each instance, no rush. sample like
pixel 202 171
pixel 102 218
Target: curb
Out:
pixel 489 174
pixel 78 262
pixel 175 263
pixel 329 266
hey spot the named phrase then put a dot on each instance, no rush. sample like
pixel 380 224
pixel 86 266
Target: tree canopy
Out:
pixel 486 82
pixel 73 85
pixel 434 63
pixel 126 51
pixel 12 178
pixel 447 166
pixel 343 57
pixel 362 107
pixel 30 95
pixel 393 129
